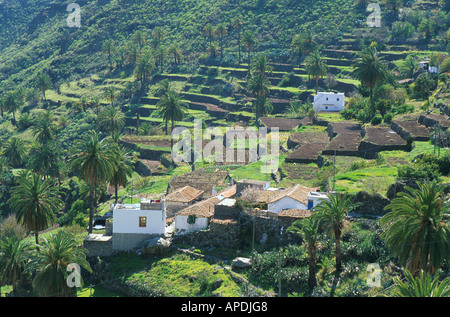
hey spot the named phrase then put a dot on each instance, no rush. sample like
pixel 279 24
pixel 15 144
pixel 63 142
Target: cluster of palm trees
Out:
pixel 35 201
pixel 259 86
pixel 171 106
pixel 147 55
pixel 248 38
pixel 52 268
pixel 97 161
pixel 415 228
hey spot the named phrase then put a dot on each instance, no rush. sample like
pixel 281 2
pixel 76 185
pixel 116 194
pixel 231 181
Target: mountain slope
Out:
pixel 43 41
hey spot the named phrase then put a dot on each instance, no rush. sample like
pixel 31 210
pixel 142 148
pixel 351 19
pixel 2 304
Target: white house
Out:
pixel 329 101
pixel 314 198
pixel 295 198
pixel 426 65
pixel 134 223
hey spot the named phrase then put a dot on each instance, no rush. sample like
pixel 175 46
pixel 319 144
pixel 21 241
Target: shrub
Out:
pixel 377 119
pixel 388 117
pixel 419 171
pixel 75 215
pixel 445 66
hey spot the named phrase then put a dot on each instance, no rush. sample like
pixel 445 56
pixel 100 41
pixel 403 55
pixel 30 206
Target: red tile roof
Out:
pixel 184 194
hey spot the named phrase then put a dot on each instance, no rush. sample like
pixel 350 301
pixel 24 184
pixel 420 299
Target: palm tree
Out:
pixel 46 160
pixel 52 262
pixel 2 105
pixel 175 51
pixel 369 69
pixel 331 214
pixel 110 93
pixel 144 69
pixel 138 38
pixel 409 66
pixel 43 82
pixel 261 65
pixel 132 51
pixel 262 106
pixel 237 25
pixel 308 230
pixel 162 87
pixel 171 108
pixel 416 228
pixel 12 103
pixel 160 53
pixel 259 86
pixel 298 109
pixel 13 260
pixel 111 119
pixel 94 161
pixel 316 67
pixel 15 151
pixel 213 49
pixel 35 202
pixel 249 40
pixel 44 128
pixel 304 44
pixel 95 102
pixel 423 285
pixel 158 34
pixel 124 169
pixel 109 48
pixel 221 31
pixel 209 32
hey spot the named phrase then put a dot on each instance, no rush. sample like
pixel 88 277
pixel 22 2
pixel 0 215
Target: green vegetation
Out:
pixel 85 115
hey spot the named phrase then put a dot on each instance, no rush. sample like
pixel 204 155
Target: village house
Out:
pixel 426 65
pixel 181 199
pixel 197 216
pixel 329 101
pixel 295 198
pixel 129 226
pixel 135 223
pixel 243 184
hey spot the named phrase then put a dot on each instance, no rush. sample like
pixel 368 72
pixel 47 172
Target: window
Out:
pixel 142 222
pixel 338 99
pixel 327 98
pixel 191 219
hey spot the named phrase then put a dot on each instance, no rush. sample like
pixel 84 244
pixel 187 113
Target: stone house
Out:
pixel 198 216
pixel 243 184
pixel 182 198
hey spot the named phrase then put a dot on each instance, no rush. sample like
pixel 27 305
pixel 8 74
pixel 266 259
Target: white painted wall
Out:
pixel 329 101
pixel 127 221
pixel 285 203
pixel 182 226
pixel 317 199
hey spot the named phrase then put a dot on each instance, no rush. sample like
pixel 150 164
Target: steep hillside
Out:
pixel 41 40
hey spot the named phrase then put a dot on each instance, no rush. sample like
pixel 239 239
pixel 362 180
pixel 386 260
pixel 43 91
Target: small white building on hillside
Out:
pixel 329 101
pixel 295 198
pixel 426 65
pixel 135 223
